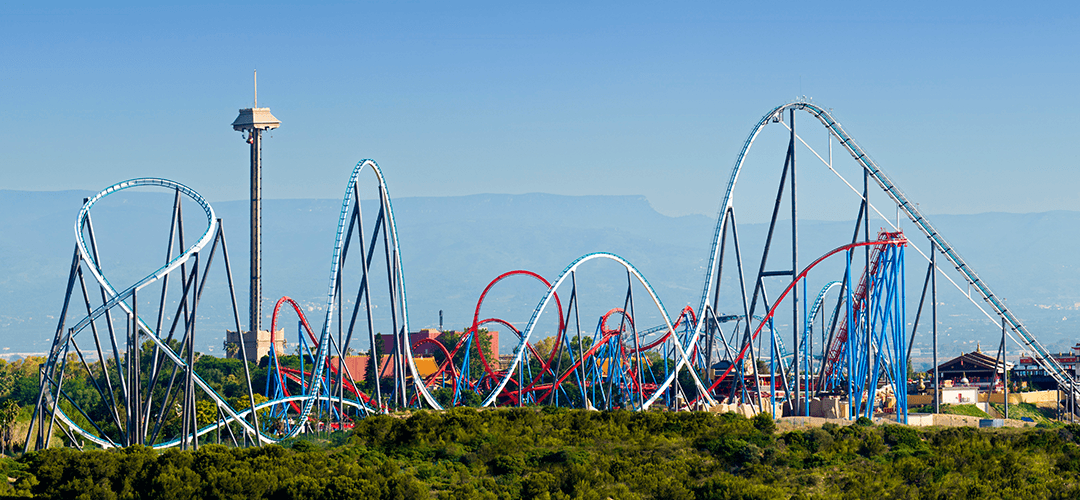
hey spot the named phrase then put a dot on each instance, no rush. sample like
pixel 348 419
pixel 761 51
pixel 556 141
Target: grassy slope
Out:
pixel 968 410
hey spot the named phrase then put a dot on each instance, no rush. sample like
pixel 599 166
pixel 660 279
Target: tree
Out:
pixel 231 349
pixel 482 341
pixel 372 370
pixel 544 346
pixel 9 412
pixel 7 379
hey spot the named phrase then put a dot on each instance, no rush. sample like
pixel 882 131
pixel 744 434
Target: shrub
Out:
pixel 764 422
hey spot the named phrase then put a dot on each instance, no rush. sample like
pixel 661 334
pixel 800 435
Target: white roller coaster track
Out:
pixel 519 352
pixel 335 268
pixel 118 298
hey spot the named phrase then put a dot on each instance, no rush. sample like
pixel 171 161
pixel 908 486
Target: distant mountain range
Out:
pixel 453 246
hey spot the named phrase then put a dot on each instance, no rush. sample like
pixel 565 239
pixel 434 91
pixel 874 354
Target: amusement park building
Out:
pixel 974 369
pixel 357 366
pixel 421 345
pixel 1028 370
pixel 255 346
pixel 424 345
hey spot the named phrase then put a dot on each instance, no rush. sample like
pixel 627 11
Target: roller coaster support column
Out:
pixel 933 318
pixel 866 291
pixel 134 418
pixel 189 414
pixel 759 281
pixel 236 320
pixel 1072 400
pixel 1004 368
pixel 918 310
pixel 849 354
pixel 400 336
pixel 638 355
pixel 577 333
pixel 365 288
pixel 796 404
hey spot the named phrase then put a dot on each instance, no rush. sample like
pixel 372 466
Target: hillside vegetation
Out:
pixel 550 453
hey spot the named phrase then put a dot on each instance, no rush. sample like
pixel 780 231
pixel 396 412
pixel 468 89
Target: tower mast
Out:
pixel 252 122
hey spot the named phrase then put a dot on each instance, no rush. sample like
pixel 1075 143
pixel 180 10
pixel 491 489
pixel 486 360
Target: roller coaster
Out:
pixel 147 389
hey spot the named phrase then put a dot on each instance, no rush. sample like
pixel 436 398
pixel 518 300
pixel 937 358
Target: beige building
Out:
pixel 255 347
pixel 960 395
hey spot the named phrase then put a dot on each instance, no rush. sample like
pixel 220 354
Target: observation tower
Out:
pixel 252 122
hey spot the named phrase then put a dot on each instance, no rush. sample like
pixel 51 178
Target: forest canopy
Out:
pixel 553 453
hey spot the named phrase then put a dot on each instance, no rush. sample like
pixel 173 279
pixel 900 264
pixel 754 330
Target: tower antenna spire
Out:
pixel 256 79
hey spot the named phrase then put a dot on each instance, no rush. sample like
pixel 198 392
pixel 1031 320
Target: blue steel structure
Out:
pixel 876 345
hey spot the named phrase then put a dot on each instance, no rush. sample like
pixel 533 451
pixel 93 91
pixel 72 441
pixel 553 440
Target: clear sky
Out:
pixel 969 105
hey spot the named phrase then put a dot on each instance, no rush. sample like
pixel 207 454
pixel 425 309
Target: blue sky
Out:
pixel 968 105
